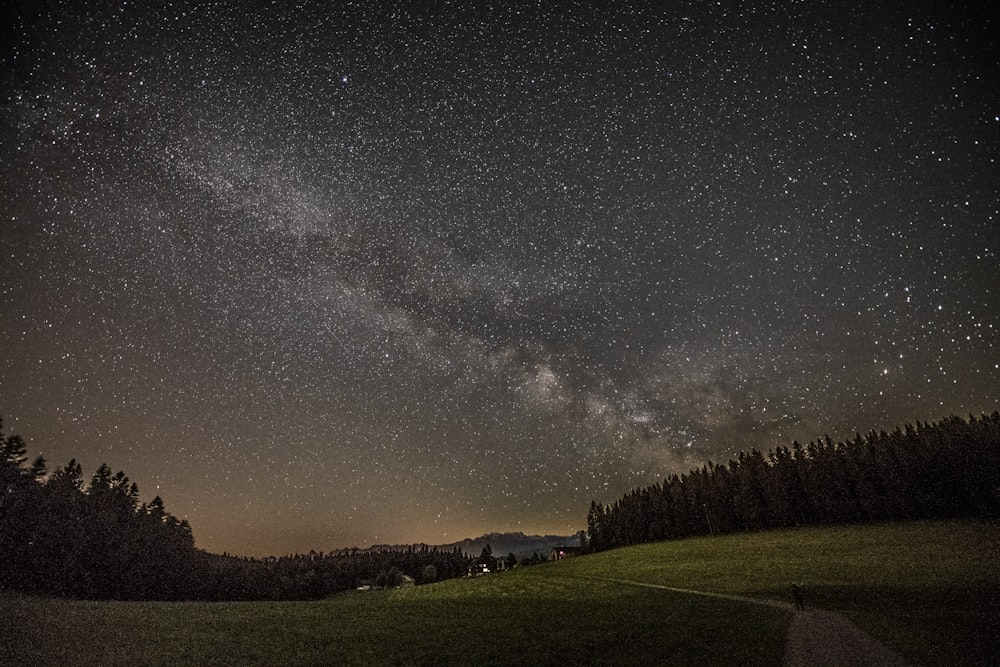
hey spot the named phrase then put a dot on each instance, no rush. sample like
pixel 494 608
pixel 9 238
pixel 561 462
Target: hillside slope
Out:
pixel 927 590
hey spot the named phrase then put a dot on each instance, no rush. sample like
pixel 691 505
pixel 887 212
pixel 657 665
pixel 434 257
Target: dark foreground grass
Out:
pixel 930 590
pixel 520 618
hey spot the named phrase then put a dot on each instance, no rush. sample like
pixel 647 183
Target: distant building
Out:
pixel 558 553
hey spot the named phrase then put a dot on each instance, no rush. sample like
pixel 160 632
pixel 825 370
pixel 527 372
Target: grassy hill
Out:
pixel 931 590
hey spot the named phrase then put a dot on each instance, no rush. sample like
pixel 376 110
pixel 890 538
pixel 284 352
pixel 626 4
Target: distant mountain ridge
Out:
pixel 519 544
pixel 502 544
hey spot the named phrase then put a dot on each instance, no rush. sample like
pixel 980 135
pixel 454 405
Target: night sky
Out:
pixel 323 275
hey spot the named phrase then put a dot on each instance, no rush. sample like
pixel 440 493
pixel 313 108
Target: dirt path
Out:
pixel 821 638
pixel 816 638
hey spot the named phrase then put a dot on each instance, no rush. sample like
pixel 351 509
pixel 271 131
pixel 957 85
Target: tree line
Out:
pixel 63 536
pixel 316 575
pixel 932 470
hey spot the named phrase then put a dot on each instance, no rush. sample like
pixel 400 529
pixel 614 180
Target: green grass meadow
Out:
pixel 931 590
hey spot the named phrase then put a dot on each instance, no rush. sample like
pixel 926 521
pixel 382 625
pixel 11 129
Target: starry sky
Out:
pixel 326 274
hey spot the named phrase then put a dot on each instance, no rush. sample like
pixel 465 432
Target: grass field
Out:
pixel 931 590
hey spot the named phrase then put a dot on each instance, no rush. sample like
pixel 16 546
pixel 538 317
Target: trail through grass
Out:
pixel 929 590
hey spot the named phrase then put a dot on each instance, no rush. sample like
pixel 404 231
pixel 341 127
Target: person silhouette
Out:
pixel 797 596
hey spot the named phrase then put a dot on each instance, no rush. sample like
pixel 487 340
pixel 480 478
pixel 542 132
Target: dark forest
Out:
pixel 928 471
pixel 63 537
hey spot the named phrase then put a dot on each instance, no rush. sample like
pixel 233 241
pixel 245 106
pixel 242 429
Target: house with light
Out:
pixel 558 553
